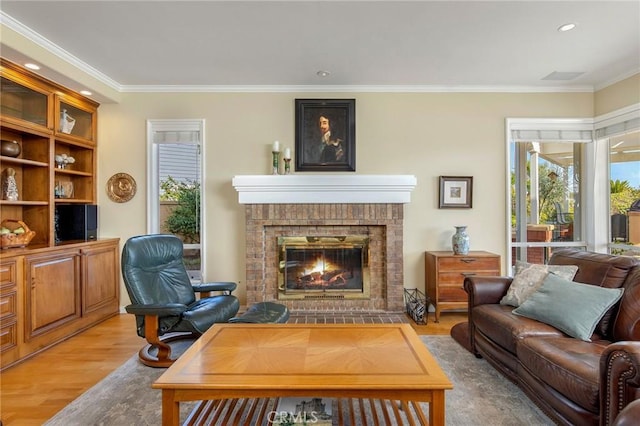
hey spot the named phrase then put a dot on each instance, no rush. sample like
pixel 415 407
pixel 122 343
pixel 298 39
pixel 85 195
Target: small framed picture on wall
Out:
pixel 456 192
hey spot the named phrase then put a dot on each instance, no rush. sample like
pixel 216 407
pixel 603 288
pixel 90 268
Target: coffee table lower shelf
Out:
pixel 345 411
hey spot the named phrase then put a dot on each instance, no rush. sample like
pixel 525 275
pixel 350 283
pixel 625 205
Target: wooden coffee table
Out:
pixel 377 361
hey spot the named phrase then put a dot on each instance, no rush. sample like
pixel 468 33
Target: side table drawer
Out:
pixel 469 263
pixel 451 294
pixel 457 277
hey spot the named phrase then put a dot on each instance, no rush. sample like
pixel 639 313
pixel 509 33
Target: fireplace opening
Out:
pixel 312 267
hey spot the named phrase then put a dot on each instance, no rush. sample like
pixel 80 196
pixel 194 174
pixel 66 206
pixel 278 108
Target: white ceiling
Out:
pixel 379 45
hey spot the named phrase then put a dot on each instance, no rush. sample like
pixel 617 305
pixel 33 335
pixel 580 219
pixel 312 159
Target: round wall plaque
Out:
pixel 121 187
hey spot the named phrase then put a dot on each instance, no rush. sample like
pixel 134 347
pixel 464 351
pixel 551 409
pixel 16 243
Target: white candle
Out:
pixel 287 153
pixel 276 146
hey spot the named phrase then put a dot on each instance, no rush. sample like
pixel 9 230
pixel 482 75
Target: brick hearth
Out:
pixel 382 222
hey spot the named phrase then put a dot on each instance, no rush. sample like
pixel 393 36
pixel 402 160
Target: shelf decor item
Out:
pixel 63 160
pixel 63 189
pixel 275 153
pixel 15 233
pixel 66 122
pixel 460 240
pixel 10 148
pixel 9 185
pixel 287 161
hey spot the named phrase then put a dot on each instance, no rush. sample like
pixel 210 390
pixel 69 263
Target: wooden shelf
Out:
pixel 49 293
pixel 73 201
pixel 30 114
pixel 23 203
pixel 13 160
pixel 72 172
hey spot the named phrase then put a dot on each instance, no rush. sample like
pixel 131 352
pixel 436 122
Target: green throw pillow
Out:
pixel 571 307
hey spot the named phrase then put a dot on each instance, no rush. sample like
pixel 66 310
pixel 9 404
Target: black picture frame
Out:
pixel 456 192
pixel 312 152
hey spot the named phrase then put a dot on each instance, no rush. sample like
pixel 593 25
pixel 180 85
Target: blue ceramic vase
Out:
pixel 460 240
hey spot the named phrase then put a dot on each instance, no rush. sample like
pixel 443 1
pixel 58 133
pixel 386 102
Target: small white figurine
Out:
pixel 66 122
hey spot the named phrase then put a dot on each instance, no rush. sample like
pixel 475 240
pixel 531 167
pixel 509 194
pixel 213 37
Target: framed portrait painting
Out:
pixel 325 135
pixel 456 192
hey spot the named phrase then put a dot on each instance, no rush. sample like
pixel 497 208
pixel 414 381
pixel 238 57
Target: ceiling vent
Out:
pixel 563 76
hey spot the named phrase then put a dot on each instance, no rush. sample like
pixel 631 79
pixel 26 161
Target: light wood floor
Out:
pixel 34 390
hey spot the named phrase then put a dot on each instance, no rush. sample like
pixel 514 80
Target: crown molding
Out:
pixel 613 81
pixel 53 48
pixel 43 42
pixel 353 89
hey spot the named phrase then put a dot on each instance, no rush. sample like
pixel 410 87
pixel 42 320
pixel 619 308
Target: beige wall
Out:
pixel 619 95
pixel 423 134
pixel 427 135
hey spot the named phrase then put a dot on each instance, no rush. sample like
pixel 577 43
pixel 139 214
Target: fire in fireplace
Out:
pixel 323 267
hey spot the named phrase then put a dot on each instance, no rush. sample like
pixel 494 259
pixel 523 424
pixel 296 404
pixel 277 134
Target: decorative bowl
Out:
pixel 13 239
pixel 10 148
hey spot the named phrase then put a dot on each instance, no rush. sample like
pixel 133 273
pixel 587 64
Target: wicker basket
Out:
pixel 13 240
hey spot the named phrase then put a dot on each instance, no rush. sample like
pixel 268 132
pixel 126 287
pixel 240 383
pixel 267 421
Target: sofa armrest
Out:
pixel 482 290
pixel 629 416
pixel 619 379
pixel 486 290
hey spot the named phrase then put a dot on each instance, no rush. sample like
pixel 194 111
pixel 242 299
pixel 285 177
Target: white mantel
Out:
pixel 323 189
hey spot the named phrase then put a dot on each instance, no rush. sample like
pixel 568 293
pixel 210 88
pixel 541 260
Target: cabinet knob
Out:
pixel 468 259
pixel 467 274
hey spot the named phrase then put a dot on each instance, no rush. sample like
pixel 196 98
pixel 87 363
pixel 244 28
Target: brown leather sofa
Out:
pixel 571 380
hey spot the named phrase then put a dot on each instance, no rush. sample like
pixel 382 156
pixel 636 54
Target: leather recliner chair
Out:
pixel 164 300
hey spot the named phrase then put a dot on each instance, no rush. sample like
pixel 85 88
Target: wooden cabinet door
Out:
pixel 52 293
pixel 100 284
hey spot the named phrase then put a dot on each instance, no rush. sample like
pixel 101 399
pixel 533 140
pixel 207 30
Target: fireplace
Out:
pixel 355 223
pixel 323 266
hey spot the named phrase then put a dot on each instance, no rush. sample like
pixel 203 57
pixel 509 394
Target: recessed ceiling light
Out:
pixel 86 92
pixel 323 73
pixel 32 66
pixel 566 27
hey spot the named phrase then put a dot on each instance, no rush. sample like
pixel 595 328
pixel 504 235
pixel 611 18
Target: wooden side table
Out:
pixel 445 273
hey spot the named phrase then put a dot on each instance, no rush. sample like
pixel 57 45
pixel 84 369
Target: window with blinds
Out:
pixel 175 200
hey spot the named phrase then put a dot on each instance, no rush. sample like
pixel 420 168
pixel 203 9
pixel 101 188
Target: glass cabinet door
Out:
pixel 75 119
pixel 21 103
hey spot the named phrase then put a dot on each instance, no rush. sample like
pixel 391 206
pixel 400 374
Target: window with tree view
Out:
pixel 175 176
pixel 546 193
pixel 180 199
pixel 624 194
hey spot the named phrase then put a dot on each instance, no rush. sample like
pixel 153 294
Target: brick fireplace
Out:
pixel 326 206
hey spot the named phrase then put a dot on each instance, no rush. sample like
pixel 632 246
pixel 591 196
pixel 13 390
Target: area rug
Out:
pixel 480 395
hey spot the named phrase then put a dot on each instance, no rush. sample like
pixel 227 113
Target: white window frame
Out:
pixel 579 126
pixel 613 121
pixel 153 187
